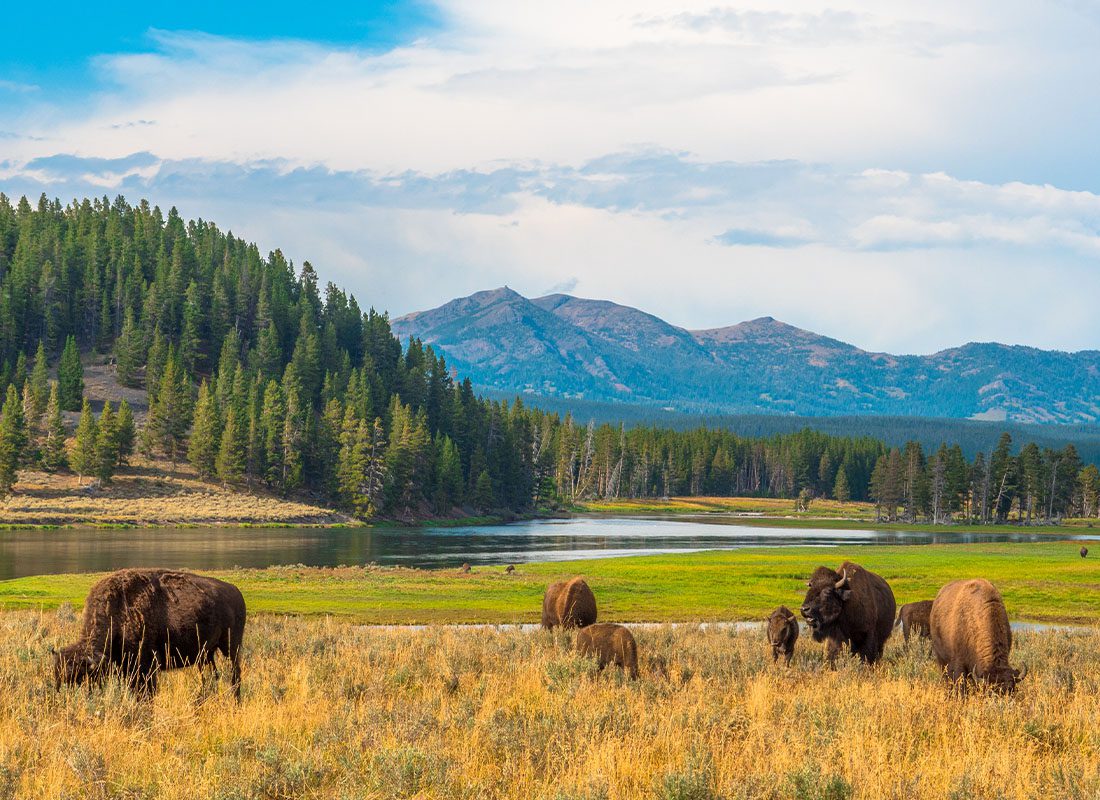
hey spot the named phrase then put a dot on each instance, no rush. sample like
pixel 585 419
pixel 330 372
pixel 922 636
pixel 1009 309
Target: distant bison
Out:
pixel 510 568
pixel 610 644
pixel 971 637
pixel 138 622
pixel 853 607
pixel 782 633
pixel 914 617
pixel 569 604
pixel 464 568
pixel 1084 552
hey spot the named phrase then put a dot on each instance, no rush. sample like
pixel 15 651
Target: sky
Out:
pixel 905 176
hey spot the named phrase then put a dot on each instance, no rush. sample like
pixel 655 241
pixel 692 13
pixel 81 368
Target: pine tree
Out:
pixel 39 382
pixel 127 433
pixel 155 361
pixel 202 449
pixel 53 444
pixel 841 492
pixel 107 444
pixel 70 376
pixel 170 414
pixel 82 458
pixel 130 352
pixel 12 440
pixel 483 492
pixel 273 420
pixel 232 453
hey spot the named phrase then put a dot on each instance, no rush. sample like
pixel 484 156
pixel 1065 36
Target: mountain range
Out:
pixel 565 347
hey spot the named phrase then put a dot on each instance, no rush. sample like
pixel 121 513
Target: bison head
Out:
pixel 825 599
pixel 72 665
pixel 1005 679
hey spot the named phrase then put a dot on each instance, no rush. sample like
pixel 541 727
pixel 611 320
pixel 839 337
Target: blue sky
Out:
pixel 905 176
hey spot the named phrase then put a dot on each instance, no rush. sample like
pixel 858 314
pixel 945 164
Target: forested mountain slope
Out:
pixel 562 346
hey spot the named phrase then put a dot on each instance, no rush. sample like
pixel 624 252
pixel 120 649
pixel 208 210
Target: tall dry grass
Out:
pixel 336 711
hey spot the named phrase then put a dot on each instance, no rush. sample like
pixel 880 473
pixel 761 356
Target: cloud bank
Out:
pixel 906 178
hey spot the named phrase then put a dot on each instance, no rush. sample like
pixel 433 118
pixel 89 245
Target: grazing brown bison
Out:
pixel 569 604
pixel 510 568
pixel 782 633
pixel 914 617
pixel 853 607
pixel 1084 552
pixel 971 637
pixel 465 568
pixel 610 644
pixel 140 621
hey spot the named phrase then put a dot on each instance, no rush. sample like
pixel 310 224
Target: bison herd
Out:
pixel 138 622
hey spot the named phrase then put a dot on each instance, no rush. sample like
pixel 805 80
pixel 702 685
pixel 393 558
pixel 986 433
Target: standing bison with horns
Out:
pixel 971 637
pixel 852 607
pixel 138 622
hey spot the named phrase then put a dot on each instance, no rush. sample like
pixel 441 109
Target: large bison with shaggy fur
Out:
pixel 610 644
pixel 782 634
pixel 851 607
pixel 569 604
pixel 914 618
pixel 971 637
pixel 138 622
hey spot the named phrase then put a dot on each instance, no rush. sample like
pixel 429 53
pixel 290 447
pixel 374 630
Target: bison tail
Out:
pixel 898 621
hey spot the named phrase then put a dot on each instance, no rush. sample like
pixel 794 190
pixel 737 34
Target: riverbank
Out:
pixel 774 512
pixel 479 713
pixel 154 494
pixel 1041 582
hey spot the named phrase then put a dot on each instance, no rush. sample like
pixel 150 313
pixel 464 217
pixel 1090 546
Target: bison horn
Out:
pixel 843 579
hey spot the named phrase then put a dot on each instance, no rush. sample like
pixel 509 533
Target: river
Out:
pixel 38 552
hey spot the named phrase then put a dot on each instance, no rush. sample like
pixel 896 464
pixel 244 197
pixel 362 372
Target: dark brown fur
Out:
pixel 138 622
pixel 971 637
pixel 914 617
pixel 610 644
pixel 852 607
pixel 569 604
pixel 782 633
pixel 1084 552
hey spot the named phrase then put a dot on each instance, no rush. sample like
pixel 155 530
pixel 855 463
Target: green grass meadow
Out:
pixel 1041 582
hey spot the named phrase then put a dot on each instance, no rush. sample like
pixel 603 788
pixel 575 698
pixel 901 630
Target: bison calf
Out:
pixel 914 617
pixel 569 604
pixel 782 634
pixel 971 637
pixel 138 622
pixel 610 644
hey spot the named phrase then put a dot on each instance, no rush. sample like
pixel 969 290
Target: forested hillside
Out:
pixel 263 380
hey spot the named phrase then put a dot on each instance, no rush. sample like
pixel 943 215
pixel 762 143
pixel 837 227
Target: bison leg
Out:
pixel 905 632
pixel 788 656
pixel 832 650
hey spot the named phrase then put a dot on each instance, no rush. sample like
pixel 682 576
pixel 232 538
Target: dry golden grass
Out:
pixel 332 710
pixel 149 494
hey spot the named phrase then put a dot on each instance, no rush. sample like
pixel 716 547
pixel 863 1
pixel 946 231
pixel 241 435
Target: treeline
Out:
pixel 258 378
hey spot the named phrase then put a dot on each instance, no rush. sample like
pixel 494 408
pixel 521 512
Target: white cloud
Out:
pixel 867 173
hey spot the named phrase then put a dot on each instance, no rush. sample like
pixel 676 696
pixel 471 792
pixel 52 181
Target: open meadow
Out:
pixel 335 710
pixel 1041 582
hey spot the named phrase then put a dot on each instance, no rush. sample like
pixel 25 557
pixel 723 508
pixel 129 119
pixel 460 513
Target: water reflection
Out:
pixel 42 552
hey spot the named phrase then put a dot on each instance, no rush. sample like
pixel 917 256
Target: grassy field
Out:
pixel 778 512
pixel 1045 582
pixel 332 710
pixel 772 506
pixel 148 494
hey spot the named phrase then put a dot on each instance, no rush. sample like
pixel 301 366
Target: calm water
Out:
pixel 42 552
